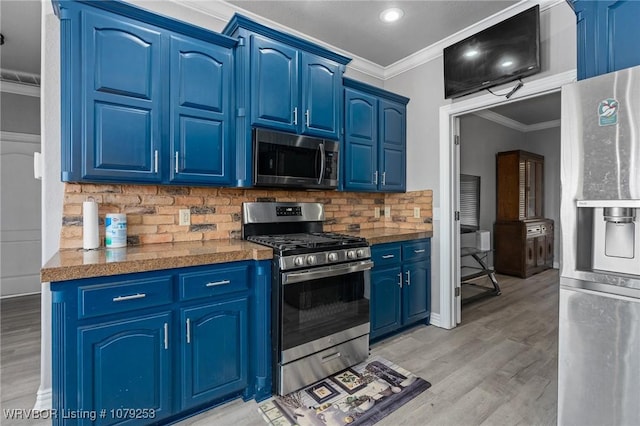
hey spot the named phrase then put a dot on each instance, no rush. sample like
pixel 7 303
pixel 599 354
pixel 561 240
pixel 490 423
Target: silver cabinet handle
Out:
pixel 388 256
pixel 420 251
pixel 155 161
pixel 307 114
pixel 166 335
pixel 295 115
pixel 375 177
pixel 408 277
pixel 328 358
pixel 400 280
pixel 188 330
pixel 216 283
pixel 384 178
pixel 129 297
pixel 177 158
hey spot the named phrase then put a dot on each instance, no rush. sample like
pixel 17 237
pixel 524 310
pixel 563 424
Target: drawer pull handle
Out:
pixel 400 280
pixel 331 357
pixel 420 251
pixel 188 330
pixel 388 256
pixel 408 277
pixel 216 283
pixel 129 297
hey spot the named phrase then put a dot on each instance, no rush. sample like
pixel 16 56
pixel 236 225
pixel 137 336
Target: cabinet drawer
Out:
pixel 212 282
pixel 415 251
pixel 386 254
pixel 124 296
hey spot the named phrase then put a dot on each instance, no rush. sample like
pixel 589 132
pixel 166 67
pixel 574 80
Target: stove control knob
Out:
pixel 311 260
pixel 299 261
pixel 333 257
pixel 351 254
pixel 360 252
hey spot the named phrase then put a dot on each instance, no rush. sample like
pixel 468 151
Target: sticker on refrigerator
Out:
pixel 608 112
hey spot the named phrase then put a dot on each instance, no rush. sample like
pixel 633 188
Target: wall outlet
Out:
pixel 387 211
pixel 185 217
pixel 376 212
pixel 416 212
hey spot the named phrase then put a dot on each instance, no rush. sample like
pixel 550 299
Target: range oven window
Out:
pixel 320 307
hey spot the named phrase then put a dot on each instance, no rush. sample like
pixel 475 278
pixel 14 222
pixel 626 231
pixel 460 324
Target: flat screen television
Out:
pixel 499 54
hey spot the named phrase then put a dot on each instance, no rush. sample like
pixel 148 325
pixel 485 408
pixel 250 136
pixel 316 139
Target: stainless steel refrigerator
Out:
pixel 599 335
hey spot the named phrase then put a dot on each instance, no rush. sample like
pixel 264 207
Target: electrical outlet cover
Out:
pixel 185 217
pixel 387 211
pixel 416 212
pixel 376 212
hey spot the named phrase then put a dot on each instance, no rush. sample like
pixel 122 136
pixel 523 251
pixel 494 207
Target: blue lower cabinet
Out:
pixel 158 346
pixel 415 297
pixel 400 286
pixel 385 301
pixel 214 351
pixel 126 365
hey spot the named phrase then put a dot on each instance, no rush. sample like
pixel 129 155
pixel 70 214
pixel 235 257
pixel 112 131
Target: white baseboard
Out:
pixel 44 399
pixel 435 320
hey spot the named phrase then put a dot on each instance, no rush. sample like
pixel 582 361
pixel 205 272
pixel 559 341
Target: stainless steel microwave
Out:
pixel 294 161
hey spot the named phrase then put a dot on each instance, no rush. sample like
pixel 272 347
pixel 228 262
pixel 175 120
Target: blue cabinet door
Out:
pixel 125 364
pixel 215 345
pixel 415 292
pixel 392 146
pixel 607 32
pixel 385 300
pixel 321 96
pixel 200 96
pixel 361 141
pixel 274 85
pixel 121 99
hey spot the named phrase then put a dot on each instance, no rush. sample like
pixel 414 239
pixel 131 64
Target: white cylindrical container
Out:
pixel 90 238
pixel 115 230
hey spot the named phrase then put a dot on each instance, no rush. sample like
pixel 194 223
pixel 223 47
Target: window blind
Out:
pixel 469 203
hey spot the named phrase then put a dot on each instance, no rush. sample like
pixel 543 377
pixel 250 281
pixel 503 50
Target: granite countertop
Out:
pixel 76 264
pixel 390 235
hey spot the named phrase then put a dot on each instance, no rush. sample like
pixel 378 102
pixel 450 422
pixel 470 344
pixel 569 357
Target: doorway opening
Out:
pixel 450 295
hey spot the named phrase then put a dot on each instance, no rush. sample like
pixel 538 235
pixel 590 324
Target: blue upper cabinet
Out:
pixel 393 157
pixel 607 33
pixel 145 99
pixel 274 84
pixel 321 96
pixel 200 111
pixel 375 139
pixel 284 83
pixel 361 140
pixel 121 99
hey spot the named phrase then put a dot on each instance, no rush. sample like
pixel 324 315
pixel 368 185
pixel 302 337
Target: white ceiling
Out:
pixel 355 27
pixel 20 25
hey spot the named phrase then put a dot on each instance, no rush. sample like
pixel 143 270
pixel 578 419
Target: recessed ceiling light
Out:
pixel 391 15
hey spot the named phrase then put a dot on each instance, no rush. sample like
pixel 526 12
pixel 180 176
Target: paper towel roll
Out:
pixel 90 239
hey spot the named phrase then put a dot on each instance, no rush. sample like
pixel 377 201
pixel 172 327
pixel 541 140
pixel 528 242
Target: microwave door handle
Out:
pixel 322 163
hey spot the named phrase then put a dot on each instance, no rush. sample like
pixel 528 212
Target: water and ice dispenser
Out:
pixel 616 240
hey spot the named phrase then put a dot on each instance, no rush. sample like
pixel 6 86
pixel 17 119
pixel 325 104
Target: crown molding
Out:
pixel 434 51
pixel 224 11
pixel 19 88
pixel 513 124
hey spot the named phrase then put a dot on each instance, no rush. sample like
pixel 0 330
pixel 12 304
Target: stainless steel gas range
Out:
pixel 320 292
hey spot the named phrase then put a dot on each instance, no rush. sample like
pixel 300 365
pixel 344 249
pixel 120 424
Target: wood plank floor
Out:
pixel 499 367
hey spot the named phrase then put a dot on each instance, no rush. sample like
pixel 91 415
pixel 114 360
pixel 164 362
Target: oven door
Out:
pixel 323 307
pixel 286 160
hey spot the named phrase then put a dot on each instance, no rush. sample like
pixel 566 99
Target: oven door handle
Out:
pixel 324 272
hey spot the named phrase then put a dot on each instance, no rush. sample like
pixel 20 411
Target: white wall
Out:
pixel 424 85
pixel 480 140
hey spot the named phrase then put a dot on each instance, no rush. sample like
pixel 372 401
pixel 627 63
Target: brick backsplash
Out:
pixel 152 211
